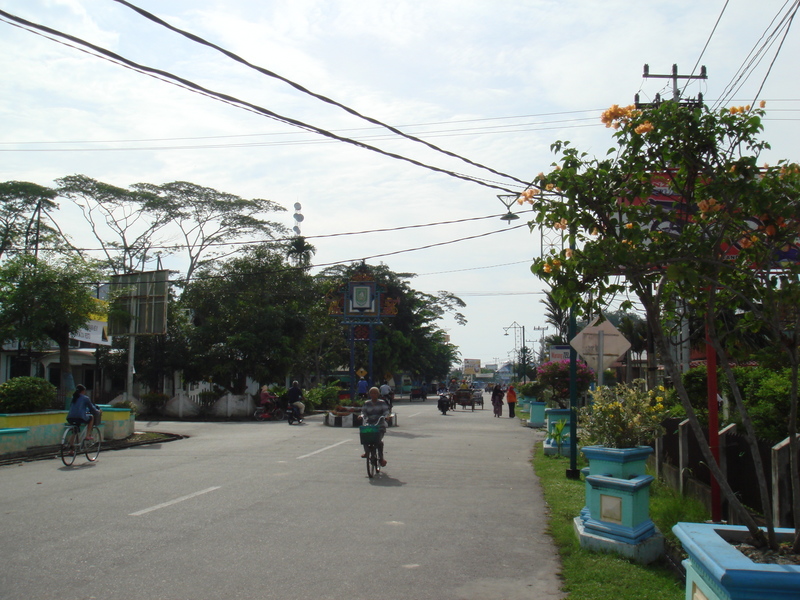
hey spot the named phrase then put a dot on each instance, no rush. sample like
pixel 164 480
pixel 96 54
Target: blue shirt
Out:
pixel 362 386
pixel 81 407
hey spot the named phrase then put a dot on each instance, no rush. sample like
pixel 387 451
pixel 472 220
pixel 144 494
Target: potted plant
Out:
pixel 533 393
pixel 554 377
pixel 618 423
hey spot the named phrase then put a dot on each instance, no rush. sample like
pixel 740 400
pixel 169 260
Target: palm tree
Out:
pixel 556 316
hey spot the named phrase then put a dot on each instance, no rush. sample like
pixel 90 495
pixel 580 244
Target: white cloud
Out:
pixel 405 62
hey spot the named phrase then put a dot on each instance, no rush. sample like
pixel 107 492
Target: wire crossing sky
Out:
pixel 479 91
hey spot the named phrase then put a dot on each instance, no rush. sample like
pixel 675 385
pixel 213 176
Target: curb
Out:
pixel 50 452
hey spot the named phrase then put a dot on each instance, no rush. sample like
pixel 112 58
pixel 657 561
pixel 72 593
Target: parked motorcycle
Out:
pixel 444 403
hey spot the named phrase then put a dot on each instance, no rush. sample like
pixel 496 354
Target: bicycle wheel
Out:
pixel 260 414
pixel 372 460
pixel 69 446
pixel 92 448
pixel 277 414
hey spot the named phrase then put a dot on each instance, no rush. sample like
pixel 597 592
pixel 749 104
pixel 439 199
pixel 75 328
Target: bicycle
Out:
pixel 74 441
pixel 370 436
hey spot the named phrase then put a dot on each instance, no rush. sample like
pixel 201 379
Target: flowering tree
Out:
pixel 680 216
pixel 555 374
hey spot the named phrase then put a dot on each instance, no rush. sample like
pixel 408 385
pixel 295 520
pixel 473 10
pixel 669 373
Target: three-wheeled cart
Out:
pixel 418 394
pixel 464 398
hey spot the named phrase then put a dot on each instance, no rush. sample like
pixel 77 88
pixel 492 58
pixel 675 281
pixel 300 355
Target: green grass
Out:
pixel 595 575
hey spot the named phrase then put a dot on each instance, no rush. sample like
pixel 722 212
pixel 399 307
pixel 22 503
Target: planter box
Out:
pixel 536 418
pixel 554 416
pixel 21 431
pixel 617 513
pixel 715 570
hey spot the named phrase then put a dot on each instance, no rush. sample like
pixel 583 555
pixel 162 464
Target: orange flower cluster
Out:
pixel 709 206
pixel 527 196
pixel 645 127
pixel 562 225
pixel 618 115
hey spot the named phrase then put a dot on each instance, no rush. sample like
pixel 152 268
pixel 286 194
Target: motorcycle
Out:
pixel 444 403
pixel 268 409
pixel 295 414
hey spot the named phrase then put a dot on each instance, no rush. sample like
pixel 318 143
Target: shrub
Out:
pixel 154 402
pixel 533 389
pixel 323 397
pixel 624 416
pixel 127 404
pixel 27 394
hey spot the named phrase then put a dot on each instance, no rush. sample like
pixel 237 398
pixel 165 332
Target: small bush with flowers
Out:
pixel 555 374
pixel 624 416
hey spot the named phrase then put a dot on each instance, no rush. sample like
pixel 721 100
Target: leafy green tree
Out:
pixel 26 220
pixel 248 319
pixel 209 220
pixel 720 234
pixel 41 299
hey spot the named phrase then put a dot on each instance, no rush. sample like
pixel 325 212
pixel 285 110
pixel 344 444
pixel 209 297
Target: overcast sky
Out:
pixel 494 82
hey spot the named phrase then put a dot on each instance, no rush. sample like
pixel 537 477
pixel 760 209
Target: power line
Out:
pixel 754 57
pixel 703 51
pixel 315 237
pixel 232 100
pixel 441 133
pixel 777 52
pixel 297 86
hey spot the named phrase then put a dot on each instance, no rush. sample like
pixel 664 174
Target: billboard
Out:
pixel 472 366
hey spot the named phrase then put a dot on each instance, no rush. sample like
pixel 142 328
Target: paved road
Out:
pixel 264 510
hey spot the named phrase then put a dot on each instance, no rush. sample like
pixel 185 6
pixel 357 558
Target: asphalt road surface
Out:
pixel 267 510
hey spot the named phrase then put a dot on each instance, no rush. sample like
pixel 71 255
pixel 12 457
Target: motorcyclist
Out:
pixel 387 394
pixel 294 397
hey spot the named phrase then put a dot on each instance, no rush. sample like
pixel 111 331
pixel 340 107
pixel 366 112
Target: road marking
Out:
pixel 171 502
pixel 322 449
pixel 414 415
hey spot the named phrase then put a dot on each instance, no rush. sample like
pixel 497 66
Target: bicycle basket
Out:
pixel 370 434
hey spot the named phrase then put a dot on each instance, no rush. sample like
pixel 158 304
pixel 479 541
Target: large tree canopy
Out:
pixel 210 220
pixel 680 215
pixel 26 220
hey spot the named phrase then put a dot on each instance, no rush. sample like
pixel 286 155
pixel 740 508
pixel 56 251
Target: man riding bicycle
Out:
pixel 82 410
pixel 371 414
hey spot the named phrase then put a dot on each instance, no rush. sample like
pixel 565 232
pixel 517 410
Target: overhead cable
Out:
pixel 297 86
pixel 182 82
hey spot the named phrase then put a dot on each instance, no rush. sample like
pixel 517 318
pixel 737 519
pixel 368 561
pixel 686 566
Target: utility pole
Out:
pixel 711 357
pixel 676 94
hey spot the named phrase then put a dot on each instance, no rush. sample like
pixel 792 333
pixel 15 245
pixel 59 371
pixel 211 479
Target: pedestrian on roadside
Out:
pixel 497 400
pixel 511 399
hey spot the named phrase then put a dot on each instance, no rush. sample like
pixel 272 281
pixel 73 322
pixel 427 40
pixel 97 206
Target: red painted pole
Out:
pixel 713 424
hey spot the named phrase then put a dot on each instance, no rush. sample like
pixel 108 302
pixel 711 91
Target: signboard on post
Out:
pixel 472 366
pixel 140 303
pixel 600 344
pixel 559 353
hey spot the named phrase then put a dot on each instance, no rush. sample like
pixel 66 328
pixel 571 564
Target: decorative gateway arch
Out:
pixel 361 304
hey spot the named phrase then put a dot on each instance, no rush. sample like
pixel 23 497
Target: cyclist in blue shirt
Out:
pixel 83 411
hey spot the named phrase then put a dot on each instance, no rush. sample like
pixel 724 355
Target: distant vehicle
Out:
pixel 478 385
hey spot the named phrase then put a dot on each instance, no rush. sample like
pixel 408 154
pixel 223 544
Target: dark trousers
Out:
pixel 511 406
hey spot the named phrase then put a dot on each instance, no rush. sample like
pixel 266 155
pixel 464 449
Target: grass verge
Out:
pixel 598 576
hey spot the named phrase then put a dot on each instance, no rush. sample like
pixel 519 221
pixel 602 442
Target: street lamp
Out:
pixel 508 200
pixel 516 326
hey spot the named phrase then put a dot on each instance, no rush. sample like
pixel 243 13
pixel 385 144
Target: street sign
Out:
pixel 600 344
pixel 559 353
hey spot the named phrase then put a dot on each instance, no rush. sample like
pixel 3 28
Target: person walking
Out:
pixel 511 400
pixel 497 400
